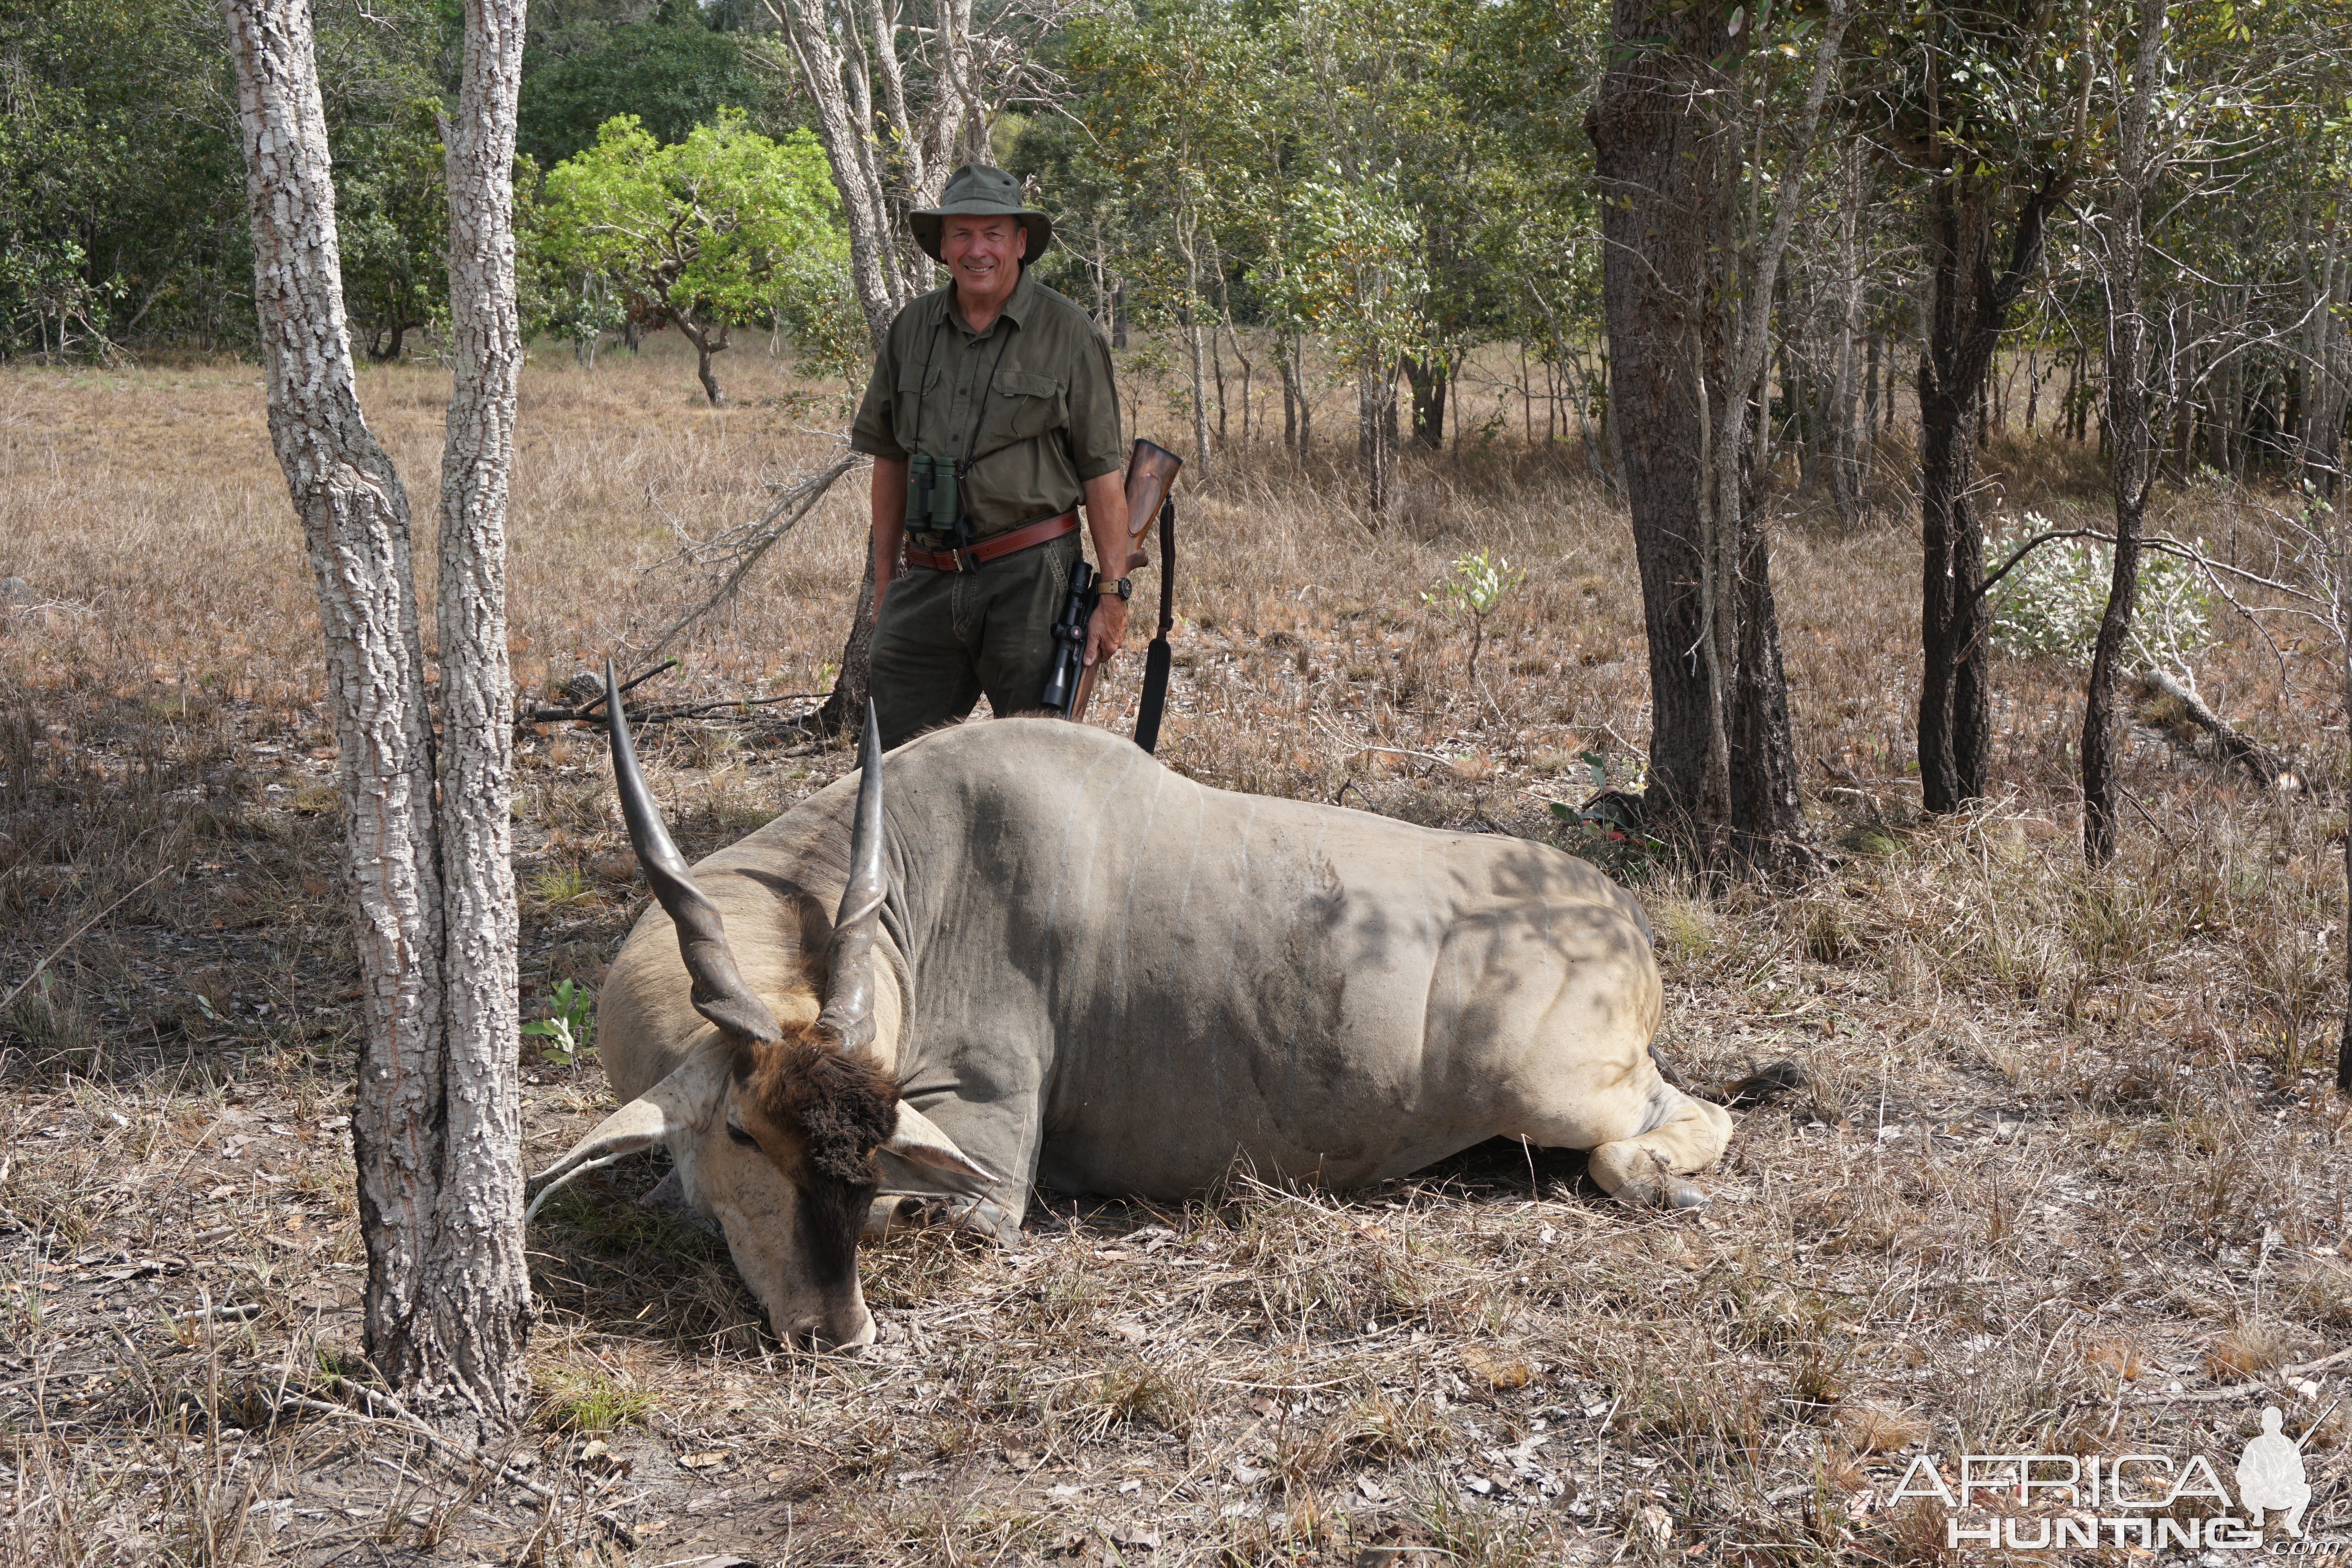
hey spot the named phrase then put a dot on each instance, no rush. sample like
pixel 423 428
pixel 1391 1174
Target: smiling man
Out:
pixel 990 419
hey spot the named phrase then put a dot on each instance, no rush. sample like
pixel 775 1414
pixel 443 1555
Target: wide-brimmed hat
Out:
pixel 975 190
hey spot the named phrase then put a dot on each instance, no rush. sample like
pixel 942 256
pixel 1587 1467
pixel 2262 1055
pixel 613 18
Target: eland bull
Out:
pixel 1045 958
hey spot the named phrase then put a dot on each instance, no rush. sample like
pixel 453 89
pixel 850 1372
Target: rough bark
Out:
pixel 2125 258
pixel 1375 439
pixel 845 705
pixel 707 342
pixel 1973 290
pixel 435 1124
pixel 1685 381
pixel 478 1306
pixel 876 270
pixel 1666 202
pixel 1430 380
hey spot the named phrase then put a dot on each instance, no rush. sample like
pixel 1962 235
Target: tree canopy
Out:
pixel 702 234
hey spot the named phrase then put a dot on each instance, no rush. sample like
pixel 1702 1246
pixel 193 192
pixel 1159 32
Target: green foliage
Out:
pixel 722 227
pixel 570 1027
pixel 671 78
pixel 1610 829
pixel 579 308
pixel 1350 267
pixel 118 179
pixel 2051 604
pixel 816 305
pixel 1474 585
pixel 590 1401
pixel 121 192
pixel 392 217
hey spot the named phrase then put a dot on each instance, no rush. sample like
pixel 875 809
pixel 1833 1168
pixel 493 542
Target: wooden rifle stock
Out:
pixel 1150 471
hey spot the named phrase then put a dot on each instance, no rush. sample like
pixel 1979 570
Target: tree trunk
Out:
pixel 1291 398
pixel 707 342
pixel 1429 380
pixel 2128 417
pixel 1217 374
pixel 1666 204
pixel 1968 310
pixel 845 706
pixel 833 63
pixel 1870 401
pixel 435 1129
pixel 845 132
pixel 1241 358
pixel 1846 487
pixel 477 1306
pixel 1376 436
pixel 1249 368
pixel 1684 381
pixel 1185 241
pixel 2330 363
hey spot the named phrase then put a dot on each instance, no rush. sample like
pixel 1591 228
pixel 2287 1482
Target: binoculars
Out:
pixel 934 499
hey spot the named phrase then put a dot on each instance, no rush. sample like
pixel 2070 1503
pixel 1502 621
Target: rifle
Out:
pixel 1063 681
pixel 1069 684
pixel 1150 473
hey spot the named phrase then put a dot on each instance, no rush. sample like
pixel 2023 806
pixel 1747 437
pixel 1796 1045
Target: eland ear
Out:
pixel 919 1141
pixel 686 1100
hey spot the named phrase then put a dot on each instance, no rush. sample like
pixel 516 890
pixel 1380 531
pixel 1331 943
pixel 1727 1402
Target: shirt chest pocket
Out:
pixel 916 382
pixel 1024 406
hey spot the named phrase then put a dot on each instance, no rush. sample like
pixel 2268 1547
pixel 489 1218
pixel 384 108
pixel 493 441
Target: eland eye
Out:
pixel 739 1136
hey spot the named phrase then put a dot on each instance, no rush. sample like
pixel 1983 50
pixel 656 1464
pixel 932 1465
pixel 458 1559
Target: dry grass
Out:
pixel 2068 1152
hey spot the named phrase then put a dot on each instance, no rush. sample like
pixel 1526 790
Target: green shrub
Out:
pixel 2051 603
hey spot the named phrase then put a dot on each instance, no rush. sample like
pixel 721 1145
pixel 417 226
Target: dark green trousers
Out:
pixel 947 637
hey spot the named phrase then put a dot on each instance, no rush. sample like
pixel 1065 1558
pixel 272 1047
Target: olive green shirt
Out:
pixel 1027 404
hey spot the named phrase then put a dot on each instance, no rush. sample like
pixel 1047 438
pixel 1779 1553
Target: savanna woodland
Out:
pixel 1867 475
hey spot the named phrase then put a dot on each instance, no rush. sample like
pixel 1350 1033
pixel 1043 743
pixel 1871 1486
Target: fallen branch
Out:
pixel 2239 1390
pixel 748 545
pixel 2234 745
pixel 72 937
pixel 2163 544
pixel 586 713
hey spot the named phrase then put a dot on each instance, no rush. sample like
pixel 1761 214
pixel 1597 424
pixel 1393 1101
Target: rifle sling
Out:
pixel 1158 659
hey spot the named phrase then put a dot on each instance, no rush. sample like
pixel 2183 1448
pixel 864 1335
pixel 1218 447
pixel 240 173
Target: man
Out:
pixel 990 416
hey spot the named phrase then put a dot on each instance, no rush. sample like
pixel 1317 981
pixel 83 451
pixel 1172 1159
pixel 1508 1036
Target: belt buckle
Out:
pixel 964 559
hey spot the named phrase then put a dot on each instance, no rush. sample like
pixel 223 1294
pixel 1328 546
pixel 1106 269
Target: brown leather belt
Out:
pixel 995 546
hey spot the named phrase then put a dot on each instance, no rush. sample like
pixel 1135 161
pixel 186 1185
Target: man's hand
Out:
pixel 1106 498
pixel 1106 632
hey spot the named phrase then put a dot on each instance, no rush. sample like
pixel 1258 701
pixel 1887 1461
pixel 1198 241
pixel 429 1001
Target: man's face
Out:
pixel 983 255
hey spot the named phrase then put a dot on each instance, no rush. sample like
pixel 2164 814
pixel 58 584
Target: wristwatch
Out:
pixel 1123 587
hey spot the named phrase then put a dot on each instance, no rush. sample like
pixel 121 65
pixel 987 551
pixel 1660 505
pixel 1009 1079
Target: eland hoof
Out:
pixel 1661 1196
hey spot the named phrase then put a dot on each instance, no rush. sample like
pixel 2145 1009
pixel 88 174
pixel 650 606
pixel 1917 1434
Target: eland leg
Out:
pixel 1680 1135
pixel 894 1214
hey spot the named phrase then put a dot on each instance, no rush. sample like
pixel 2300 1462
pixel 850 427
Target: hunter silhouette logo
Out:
pixel 2064 1502
pixel 2270 1473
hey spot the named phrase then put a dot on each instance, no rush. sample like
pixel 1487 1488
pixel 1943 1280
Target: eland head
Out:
pixel 773 1119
